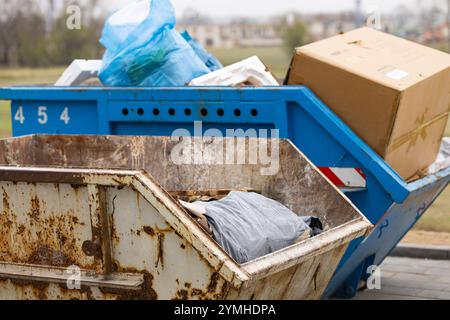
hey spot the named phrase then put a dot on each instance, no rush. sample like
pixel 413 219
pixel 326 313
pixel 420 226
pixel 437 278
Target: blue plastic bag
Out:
pixel 208 59
pixel 144 49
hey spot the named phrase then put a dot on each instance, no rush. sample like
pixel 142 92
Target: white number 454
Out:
pixel 42 115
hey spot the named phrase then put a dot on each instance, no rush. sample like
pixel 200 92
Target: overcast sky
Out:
pixel 270 7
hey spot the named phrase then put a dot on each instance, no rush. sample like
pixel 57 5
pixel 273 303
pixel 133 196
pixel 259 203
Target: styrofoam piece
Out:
pixel 79 71
pixel 249 71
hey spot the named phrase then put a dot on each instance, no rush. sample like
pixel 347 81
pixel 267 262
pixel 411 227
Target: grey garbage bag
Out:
pixel 249 225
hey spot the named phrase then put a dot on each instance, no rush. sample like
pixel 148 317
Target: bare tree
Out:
pixel 13 15
pixel 34 33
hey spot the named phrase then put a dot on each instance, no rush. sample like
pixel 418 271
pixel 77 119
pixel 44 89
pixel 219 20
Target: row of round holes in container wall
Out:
pixel 188 112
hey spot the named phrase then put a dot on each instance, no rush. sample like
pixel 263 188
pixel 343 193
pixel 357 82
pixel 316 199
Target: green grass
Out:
pixel 5 122
pixel 10 76
pixel 438 217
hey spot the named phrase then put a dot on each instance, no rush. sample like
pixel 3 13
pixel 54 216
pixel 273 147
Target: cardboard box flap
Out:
pixel 380 57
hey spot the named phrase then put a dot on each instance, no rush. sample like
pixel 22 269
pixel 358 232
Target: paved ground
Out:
pixel 417 279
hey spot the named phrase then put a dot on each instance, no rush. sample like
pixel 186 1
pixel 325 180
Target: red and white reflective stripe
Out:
pixel 345 177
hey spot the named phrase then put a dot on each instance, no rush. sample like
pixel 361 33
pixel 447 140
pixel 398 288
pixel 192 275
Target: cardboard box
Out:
pixel 395 94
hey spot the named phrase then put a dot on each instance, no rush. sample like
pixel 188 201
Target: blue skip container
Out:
pixel 390 203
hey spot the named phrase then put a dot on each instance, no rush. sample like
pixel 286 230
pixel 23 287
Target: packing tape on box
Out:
pixel 413 136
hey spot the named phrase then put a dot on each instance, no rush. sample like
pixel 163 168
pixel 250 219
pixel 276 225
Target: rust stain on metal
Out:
pixel 160 234
pixel 6 207
pixel 84 292
pixel 20 229
pixel 100 247
pixel 35 208
pixel 76 187
pixel 50 176
pixel 146 293
pixel 39 288
pixel 189 293
pixel 45 255
pixel 92 249
pixel 76 220
pixel 197 292
pixel 194 293
pixel 33 289
pixel 182 294
pixel 149 230
pixel 213 282
pixel 120 182
pixel 30 233
pixel 160 249
pixel 316 273
pixel 113 232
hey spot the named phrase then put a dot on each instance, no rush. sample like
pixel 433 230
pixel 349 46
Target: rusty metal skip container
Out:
pixel 95 217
